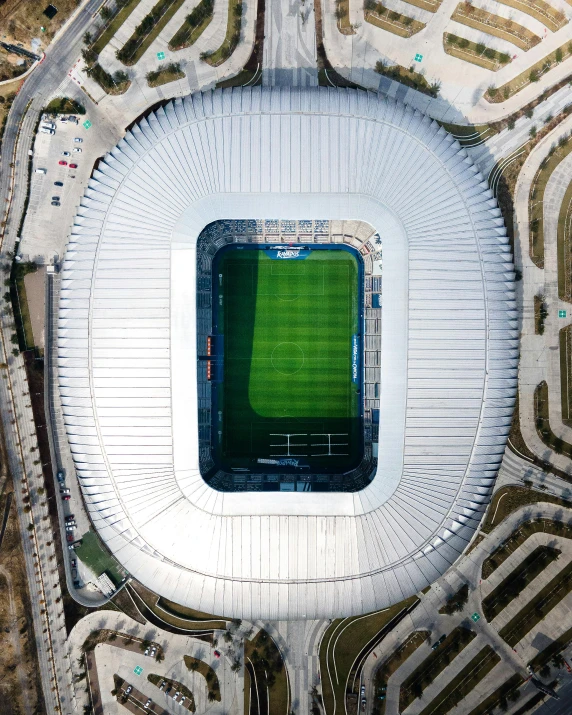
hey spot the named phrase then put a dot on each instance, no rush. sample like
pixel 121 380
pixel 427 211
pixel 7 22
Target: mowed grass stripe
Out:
pixel 288 329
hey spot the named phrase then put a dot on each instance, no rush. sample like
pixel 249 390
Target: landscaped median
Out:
pixel 195 665
pixel 377 14
pixel 524 532
pixel 538 607
pixel 164 75
pixel 507 500
pixel 344 641
pixel 462 684
pixel 508 691
pixel 557 153
pixel 517 580
pixel 193 27
pixel 147 31
pixel 430 5
pixel 265 666
pixel 425 673
pixel 343 17
pixel 386 669
pixel 542 422
pixel 529 76
pixel 474 52
pixel 548 15
pixel 479 19
pixel 565 341
pixel 408 77
pixel 232 38
pixel 114 19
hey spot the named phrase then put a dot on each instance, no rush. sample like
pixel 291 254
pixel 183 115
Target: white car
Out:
pixel 77 150
pixel 66 153
pixel 147 651
pixel 175 696
pixel 148 703
pixel 78 140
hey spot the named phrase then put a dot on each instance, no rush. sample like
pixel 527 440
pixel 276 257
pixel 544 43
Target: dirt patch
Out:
pixel 22 20
pixel 19 681
pixel 35 292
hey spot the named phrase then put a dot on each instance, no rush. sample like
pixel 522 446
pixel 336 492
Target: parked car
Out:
pixel 57 198
pixel 66 153
pixel 57 183
pixel 182 700
pixel 66 497
pixel 73 563
pixel 438 643
pixel 77 150
pixel 69 536
pixel 147 703
pixel 56 203
pixel 162 684
pixel 78 140
pixel 175 696
pixel 60 474
pixel 64 490
pixel 40 171
pixel 153 652
pixel 46 130
pixel 147 650
pixel 217 654
pixel 128 689
pixel 62 162
pixel 73 166
pixel 74 573
pixel 70 517
pixel 69 527
pixel 76 584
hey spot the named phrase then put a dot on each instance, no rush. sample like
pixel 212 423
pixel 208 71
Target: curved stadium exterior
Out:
pixel 127 342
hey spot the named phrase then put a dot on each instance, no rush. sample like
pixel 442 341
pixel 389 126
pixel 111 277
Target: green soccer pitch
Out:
pixel 287 388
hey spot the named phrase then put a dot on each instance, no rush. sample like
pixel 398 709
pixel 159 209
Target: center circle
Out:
pixel 287 358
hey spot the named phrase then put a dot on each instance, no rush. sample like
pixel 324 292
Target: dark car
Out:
pixel 70 517
pixel 76 584
pixel 58 183
pixel 55 198
pixel 73 563
pixel 55 203
pixel 60 474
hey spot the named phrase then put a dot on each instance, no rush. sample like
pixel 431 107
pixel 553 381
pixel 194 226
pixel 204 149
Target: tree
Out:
pixel 105 13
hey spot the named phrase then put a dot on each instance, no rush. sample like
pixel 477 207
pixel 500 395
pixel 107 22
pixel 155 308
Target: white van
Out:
pixel 48 125
pixel 46 130
pixel 40 171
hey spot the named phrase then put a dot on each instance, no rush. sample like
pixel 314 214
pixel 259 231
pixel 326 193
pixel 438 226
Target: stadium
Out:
pixel 287 351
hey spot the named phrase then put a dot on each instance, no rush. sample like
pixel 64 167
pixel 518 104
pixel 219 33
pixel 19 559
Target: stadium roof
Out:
pixel 127 350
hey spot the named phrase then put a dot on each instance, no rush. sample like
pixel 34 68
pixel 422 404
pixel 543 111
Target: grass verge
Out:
pixel 518 579
pixel 94 556
pixel 426 672
pixel 170 73
pixel 408 77
pixel 509 499
pixel 548 15
pixel 343 17
pixel 495 25
pixel 540 313
pixel 542 422
pixel 474 52
pixel 268 665
pixel 462 684
pixel 565 341
pixel 64 105
pixel 538 607
pixel 529 76
pixel 190 614
pixel 199 666
pixel 395 661
pixel 564 247
pixel 518 537
pixel 536 199
pixel 232 37
pixel 377 14
pixel 342 643
pixel 114 84
pixel 121 13
pixel 193 27
pixel 24 334
pixel 176 687
pixel 507 691
pixel 147 31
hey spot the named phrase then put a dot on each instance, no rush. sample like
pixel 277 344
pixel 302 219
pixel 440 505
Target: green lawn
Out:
pixel 288 327
pixel 94 555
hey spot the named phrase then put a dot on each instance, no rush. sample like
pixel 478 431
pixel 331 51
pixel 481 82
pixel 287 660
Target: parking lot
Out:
pixel 67 164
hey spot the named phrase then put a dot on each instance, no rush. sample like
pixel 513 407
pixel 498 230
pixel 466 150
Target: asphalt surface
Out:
pixel 19 429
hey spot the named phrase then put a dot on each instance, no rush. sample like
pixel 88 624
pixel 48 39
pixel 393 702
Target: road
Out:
pixel 19 428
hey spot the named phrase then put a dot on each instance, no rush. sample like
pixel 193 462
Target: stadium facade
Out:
pixel 128 350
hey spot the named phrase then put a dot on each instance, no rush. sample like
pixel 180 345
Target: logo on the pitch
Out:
pixel 288 253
